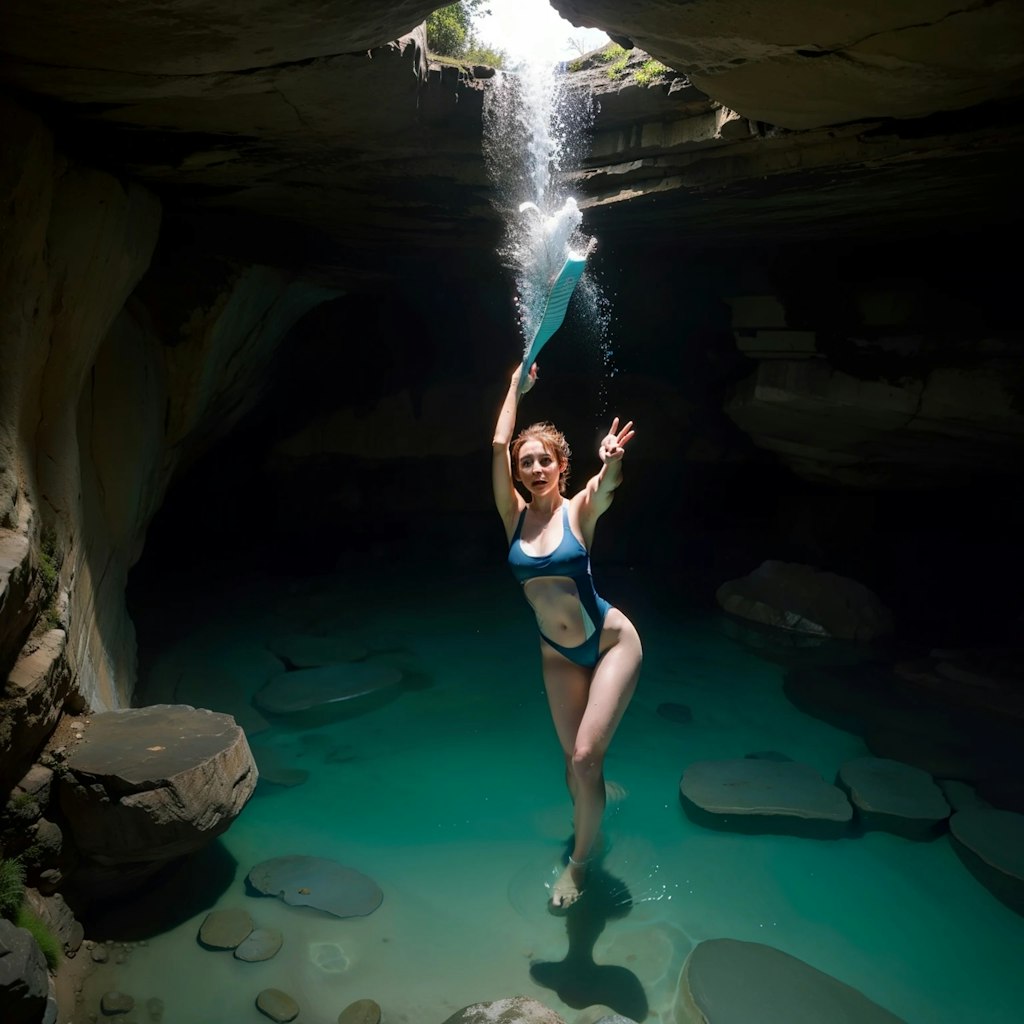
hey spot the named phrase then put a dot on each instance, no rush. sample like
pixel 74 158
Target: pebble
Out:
pixel 116 1002
pixel 362 1011
pixel 277 1005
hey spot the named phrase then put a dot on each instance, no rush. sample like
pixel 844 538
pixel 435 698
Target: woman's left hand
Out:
pixel 613 446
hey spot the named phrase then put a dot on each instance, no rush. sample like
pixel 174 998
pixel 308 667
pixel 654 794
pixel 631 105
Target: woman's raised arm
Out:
pixel 506 498
pixel 597 495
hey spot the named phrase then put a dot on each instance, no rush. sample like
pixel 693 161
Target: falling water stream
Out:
pixel 536 131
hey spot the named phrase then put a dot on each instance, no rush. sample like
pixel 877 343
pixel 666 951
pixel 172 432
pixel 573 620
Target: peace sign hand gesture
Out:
pixel 613 446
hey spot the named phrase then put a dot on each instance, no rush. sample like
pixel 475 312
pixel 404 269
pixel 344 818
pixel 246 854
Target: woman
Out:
pixel 590 652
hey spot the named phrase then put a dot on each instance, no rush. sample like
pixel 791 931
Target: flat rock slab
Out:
pixel 225 929
pixel 260 944
pixel 277 1005
pixel 725 981
pixel 316 882
pixel 362 1011
pixel 515 1010
pixel 304 650
pixel 755 796
pixel 891 796
pixel 991 843
pixel 307 688
pixel 146 785
pixel 134 748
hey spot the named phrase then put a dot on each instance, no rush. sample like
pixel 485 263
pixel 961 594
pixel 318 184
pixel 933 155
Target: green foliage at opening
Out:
pixel 49 573
pixel 450 34
pixel 447 29
pixel 616 58
pixel 45 939
pixel 649 71
pixel 480 54
pixel 49 561
pixel 612 52
pixel 12 886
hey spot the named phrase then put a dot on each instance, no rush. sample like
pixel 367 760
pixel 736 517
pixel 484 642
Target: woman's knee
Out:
pixel 587 763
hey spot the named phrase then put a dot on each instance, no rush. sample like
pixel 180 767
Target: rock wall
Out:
pixel 77 241
pixel 800 65
pixel 117 371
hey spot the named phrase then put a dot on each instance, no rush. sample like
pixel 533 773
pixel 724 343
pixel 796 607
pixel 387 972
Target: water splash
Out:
pixel 536 131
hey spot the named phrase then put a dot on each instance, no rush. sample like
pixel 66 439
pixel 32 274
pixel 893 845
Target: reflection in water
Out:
pixel 578 980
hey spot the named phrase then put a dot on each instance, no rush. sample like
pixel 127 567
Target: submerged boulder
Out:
pixel 148 785
pixel 804 599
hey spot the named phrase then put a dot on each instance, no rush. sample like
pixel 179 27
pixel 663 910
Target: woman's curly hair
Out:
pixel 554 442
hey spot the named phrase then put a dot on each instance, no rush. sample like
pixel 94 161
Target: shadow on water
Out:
pixel 180 891
pixel 580 982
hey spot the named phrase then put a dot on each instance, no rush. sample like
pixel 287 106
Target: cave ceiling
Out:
pixel 326 123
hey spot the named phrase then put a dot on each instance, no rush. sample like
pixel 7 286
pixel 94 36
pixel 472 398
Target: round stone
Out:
pixel 277 1005
pixel 362 1011
pixel 225 929
pixel 261 944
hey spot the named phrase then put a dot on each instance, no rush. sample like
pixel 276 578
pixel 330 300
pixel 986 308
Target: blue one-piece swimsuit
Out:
pixel 569 560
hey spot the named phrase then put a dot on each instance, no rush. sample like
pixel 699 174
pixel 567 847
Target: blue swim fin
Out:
pixel 554 309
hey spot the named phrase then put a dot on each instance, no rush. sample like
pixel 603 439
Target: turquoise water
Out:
pixel 450 796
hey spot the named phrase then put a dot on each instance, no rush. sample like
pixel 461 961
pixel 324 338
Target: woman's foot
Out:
pixel 569 887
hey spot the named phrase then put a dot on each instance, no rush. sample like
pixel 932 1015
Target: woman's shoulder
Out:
pixel 577 505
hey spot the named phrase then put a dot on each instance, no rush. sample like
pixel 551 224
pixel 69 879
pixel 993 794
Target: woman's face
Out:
pixel 538 467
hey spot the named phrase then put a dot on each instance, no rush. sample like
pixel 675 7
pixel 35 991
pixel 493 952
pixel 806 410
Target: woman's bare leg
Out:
pixel 568 687
pixel 587 706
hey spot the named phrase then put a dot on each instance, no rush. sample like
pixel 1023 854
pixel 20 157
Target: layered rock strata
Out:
pixel 804 67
